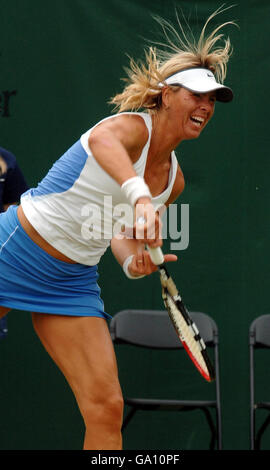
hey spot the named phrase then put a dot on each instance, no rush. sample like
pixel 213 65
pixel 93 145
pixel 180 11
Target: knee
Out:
pixel 113 408
pixel 106 410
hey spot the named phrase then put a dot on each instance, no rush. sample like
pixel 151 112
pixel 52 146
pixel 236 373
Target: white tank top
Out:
pixel 78 207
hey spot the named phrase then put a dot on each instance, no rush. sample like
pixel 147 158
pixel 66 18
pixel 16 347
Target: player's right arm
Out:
pixel 116 144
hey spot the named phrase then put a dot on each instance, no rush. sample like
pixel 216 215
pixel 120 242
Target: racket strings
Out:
pixel 187 334
pixel 184 326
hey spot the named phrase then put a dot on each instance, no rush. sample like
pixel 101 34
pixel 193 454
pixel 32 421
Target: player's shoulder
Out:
pixel 130 128
pixel 132 123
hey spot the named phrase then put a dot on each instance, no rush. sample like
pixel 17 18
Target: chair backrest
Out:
pixel 259 337
pixel 259 332
pixel 153 329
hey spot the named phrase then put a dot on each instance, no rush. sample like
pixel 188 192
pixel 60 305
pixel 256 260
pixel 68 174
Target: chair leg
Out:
pixel 252 428
pixel 218 430
pixel 128 417
pixel 212 428
pixel 257 444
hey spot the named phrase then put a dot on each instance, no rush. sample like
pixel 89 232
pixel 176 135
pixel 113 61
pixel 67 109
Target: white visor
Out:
pixel 200 80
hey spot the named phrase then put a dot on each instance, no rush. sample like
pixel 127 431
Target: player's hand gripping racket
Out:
pixel 183 323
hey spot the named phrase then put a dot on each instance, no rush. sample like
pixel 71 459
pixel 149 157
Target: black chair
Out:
pixel 259 338
pixel 153 329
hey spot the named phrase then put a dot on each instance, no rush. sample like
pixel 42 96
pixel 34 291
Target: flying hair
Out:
pixel 180 51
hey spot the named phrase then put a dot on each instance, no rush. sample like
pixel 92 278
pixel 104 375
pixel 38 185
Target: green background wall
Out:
pixel 61 61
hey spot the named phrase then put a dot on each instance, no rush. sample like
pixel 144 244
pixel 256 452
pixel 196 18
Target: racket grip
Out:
pixel 156 255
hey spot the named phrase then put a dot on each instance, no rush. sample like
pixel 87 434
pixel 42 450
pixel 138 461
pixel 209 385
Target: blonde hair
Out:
pixel 143 78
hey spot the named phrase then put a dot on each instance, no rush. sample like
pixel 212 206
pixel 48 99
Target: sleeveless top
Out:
pixel 78 207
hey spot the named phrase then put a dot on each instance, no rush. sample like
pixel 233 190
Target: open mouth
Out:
pixel 198 120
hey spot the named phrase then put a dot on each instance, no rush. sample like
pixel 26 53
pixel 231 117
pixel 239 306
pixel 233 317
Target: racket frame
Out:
pixel 176 299
pixel 169 290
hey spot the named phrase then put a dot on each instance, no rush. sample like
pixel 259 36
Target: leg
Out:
pixel 82 349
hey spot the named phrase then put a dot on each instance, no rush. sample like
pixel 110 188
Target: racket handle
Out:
pixel 156 255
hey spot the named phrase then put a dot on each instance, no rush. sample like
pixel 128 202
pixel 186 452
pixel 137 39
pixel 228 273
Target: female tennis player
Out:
pixel 50 246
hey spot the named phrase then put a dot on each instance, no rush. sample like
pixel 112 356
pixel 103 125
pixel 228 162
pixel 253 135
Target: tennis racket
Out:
pixel 184 325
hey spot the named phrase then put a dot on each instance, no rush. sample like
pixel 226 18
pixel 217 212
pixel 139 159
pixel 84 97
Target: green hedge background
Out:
pixel 60 62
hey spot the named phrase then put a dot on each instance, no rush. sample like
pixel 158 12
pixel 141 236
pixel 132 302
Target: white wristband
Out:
pixel 134 188
pixel 125 268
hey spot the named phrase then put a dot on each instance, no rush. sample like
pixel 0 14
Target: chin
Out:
pixel 193 136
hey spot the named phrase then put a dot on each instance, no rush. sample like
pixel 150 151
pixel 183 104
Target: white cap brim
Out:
pixel 200 80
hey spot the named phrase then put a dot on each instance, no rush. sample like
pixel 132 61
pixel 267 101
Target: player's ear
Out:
pixel 166 97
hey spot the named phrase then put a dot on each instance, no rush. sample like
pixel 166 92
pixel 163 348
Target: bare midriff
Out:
pixel 39 240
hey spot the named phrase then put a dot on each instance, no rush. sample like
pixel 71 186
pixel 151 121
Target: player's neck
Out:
pixel 163 139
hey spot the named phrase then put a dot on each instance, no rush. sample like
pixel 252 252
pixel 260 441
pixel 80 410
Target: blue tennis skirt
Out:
pixel 33 280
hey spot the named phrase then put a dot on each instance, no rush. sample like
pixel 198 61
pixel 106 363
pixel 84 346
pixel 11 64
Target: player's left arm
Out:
pixel 138 258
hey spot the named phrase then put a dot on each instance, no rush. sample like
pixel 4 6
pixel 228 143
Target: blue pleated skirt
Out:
pixel 33 280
